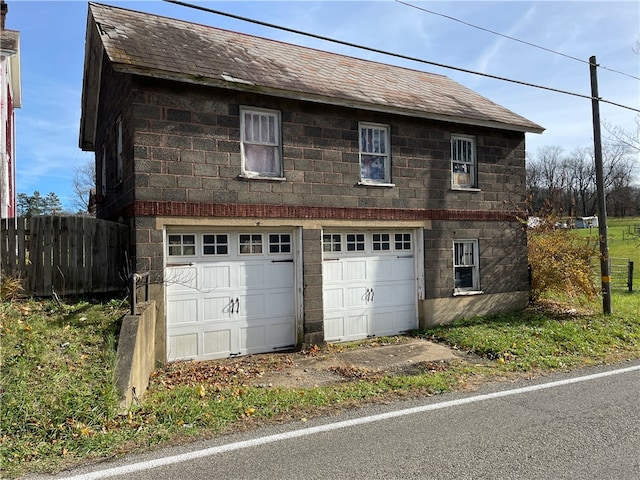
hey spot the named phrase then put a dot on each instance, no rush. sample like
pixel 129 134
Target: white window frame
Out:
pixel 270 140
pixel 182 248
pixel 463 162
pixel 466 259
pixel 119 151
pixel 375 145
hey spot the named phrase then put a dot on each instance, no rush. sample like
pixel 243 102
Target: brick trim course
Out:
pixel 193 209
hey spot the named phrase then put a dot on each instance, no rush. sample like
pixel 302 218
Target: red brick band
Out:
pixel 188 209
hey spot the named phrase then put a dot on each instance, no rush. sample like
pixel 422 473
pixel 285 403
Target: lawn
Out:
pixel 59 405
pixel 622 243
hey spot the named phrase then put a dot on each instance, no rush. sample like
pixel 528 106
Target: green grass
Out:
pixel 621 243
pixel 59 403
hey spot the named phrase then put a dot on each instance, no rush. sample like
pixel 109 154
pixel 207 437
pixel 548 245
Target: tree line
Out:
pixel 564 184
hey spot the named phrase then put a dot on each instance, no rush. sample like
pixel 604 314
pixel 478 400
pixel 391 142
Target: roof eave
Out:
pixel 90 87
pixel 316 98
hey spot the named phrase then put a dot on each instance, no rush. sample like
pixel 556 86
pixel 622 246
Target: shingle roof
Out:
pixel 152 45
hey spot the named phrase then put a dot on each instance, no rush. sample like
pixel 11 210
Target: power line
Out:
pixel 512 38
pixel 397 55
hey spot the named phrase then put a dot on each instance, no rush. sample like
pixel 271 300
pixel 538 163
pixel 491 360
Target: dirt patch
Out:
pixel 368 361
pixel 316 366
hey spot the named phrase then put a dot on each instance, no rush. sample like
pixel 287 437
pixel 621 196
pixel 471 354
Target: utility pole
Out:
pixel 605 266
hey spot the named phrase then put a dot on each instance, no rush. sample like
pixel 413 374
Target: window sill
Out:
pixel 366 183
pixel 468 293
pixel 246 176
pixel 465 189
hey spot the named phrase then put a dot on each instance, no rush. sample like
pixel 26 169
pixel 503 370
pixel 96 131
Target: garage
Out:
pixel 370 285
pixel 229 293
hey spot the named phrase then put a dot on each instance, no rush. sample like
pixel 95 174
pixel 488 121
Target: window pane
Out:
pixel 215 244
pixel 403 241
pixel 355 242
pixel 381 242
pixel 464 277
pixel 247 127
pixel 260 159
pixel 372 167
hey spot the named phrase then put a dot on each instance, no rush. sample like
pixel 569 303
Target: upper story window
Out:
pixel 119 151
pixel 375 159
pixel 260 143
pixel 466 266
pixel 463 161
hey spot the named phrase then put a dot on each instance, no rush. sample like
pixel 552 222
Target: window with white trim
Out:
pixel 466 266
pixel 331 242
pixel 279 243
pixel 250 244
pixel 215 244
pixel 182 245
pixel 463 161
pixel 119 151
pixel 260 143
pixel 375 159
pixel 355 242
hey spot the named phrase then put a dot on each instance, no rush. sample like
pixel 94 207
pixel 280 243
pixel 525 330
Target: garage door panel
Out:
pixel 355 270
pixel 251 276
pixel 252 306
pixel 217 342
pixel 280 275
pixel 393 294
pixel 216 309
pixel 183 346
pixel 382 268
pixel 332 271
pixel 334 328
pixel 216 277
pixel 184 311
pixel 252 338
pixel 334 299
pixel 182 279
pixel 280 333
pixel 280 303
pixel 357 326
pixel 404 320
pixel 356 296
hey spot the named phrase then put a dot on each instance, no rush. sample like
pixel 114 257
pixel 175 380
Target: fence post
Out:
pixel 630 276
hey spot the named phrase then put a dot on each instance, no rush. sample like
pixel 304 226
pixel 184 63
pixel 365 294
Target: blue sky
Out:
pixel 52 55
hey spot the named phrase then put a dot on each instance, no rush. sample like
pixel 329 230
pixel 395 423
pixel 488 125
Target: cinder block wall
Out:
pixel 183 157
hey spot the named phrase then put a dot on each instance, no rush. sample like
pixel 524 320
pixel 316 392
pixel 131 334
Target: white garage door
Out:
pixel 369 284
pixel 229 293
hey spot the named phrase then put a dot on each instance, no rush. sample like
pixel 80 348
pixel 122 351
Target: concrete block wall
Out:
pixel 503 256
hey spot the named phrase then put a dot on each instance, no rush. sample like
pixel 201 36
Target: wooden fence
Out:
pixel 68 255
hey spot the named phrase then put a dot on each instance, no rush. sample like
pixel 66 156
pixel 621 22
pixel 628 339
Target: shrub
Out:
pixel 10 288
pixel 561 262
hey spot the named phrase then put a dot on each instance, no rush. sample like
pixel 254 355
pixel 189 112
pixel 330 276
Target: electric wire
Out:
pixel 511 38
pixel 396 55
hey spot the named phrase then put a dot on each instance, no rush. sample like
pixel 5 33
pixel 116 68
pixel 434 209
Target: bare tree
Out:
pixel 84 179
pixel 581 172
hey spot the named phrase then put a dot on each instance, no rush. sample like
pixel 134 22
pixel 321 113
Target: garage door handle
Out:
pixel 373 294
pixel 237 304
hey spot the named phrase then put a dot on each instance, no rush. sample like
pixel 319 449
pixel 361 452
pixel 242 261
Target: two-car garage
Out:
pixel 235 292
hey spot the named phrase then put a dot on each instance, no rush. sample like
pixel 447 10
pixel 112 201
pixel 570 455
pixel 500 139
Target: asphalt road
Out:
pixel 555 427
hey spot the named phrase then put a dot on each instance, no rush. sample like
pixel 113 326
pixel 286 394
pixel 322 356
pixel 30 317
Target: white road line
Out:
pixel 136 467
